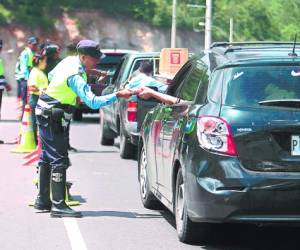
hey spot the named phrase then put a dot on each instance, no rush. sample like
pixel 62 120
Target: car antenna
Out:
pixel 294 47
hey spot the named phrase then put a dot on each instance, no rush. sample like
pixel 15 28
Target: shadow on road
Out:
pixel 238 236
pixel 246 237
pixel 81 151
pixel 121 214
pixel 169 217
pixel 78 198
pixel 10 121
pixel 88 119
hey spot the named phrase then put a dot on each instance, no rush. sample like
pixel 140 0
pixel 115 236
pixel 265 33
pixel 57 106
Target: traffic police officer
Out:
pixel 23 68
pixel 54 111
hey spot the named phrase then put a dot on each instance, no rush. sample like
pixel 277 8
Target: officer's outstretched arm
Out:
pixel 124 93
pixel 83 90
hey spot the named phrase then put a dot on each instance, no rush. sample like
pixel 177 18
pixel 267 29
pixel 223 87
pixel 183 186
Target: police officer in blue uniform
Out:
pixel 23 68
pixel 54 111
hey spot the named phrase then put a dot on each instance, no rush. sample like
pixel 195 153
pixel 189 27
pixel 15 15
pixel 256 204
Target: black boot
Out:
pixel 58 188
pixel 43 201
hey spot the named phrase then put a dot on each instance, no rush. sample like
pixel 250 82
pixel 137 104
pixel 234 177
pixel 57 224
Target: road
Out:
pixel 107 187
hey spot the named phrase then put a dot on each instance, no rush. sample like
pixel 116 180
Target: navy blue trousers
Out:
pixel 54 144
pixel 23 86
pixel 33 99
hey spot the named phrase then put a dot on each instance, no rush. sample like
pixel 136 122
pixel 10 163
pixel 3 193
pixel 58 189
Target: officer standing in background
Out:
pixel 54 111
pixel 52 52
pixel 23 67
pixel 37 84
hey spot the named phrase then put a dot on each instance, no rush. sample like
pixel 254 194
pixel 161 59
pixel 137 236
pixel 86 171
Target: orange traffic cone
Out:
pixel 32 158
pixel 27 143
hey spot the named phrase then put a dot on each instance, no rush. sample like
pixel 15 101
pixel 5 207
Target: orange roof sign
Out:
pixel 171 60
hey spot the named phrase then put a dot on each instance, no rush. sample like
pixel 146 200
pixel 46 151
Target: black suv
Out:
pixel 230 150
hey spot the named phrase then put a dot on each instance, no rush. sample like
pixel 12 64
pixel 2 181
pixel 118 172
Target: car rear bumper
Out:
pixel 220 190
pixel 132 133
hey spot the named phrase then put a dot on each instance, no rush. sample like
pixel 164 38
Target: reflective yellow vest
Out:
pixel 58 87
pixel 19 74
pixel 38 79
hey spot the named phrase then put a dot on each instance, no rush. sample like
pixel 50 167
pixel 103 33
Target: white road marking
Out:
pixel 75 237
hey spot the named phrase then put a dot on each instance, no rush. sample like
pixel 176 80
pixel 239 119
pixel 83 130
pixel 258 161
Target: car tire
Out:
pixel 187 230
pixel 148 199
pixel 104 140
pixel 77 115
pixel 127 149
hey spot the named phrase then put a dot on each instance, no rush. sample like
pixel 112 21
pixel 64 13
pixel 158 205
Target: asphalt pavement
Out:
pixel 108 190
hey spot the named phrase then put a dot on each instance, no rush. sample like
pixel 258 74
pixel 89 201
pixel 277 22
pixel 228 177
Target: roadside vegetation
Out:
pixel 253 19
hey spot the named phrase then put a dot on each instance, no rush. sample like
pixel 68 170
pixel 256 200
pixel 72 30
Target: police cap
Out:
pixel 89 47
pixel 33 40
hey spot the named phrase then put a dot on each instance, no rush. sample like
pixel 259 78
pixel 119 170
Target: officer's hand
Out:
pixel 124 93
pixel 146 93
pixel 97 72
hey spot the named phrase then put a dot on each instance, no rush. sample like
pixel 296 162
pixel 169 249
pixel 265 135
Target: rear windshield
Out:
pixel 110 62
pixel 247 86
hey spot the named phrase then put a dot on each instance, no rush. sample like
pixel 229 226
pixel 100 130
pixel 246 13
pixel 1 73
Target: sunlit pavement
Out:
pixel 108 188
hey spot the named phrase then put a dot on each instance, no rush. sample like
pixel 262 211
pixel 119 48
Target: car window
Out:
pixel 215 86
pixel 156 66
pixel 247 86
pixel 137 63
pixel 110 59
pixel 119 72
pixel 197 79
pixel 135 66
pixel 179 78
pixel 111 64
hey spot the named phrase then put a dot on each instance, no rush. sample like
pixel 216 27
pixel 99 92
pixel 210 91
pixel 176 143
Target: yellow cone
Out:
pixel 27 142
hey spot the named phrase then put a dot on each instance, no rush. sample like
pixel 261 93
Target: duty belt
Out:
pixel 46 110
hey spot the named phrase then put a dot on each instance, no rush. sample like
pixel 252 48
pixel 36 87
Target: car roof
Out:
pixel 226 54
pixel 117 51
pixel 143 54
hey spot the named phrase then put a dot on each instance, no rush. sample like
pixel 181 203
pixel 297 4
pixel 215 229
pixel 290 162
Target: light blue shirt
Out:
pixel 142 80
pixel 83 90
pixel 24 68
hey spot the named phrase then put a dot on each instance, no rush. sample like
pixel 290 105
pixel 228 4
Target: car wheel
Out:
pixel 148 199
pixel 77 115
pixel 127 149
pixel 188 231
pixel 104 140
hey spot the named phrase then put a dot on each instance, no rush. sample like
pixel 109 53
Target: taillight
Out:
pixel 132 111
pixel 215 134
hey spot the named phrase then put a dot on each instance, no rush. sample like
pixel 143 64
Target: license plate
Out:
pixel 295 145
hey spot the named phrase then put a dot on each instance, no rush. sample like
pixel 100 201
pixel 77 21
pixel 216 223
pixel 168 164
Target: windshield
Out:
pixel 110 62
pixel 247 86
